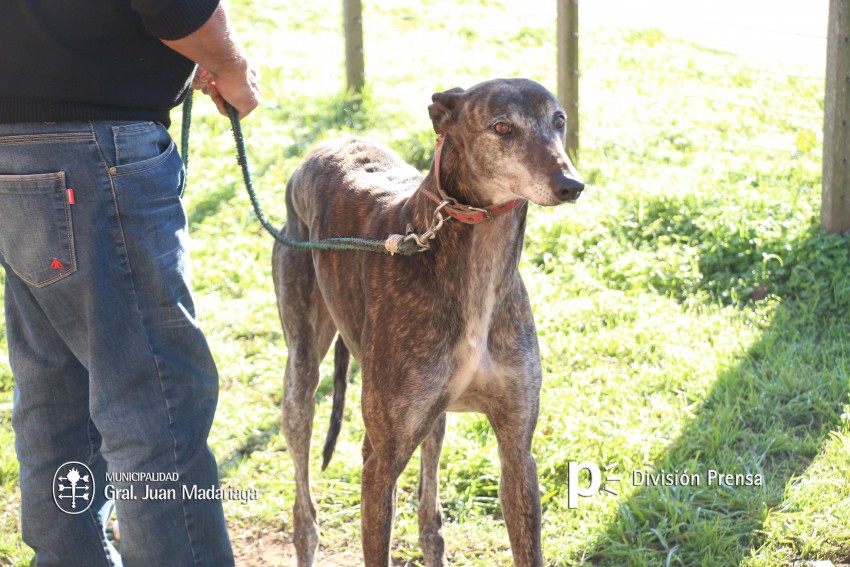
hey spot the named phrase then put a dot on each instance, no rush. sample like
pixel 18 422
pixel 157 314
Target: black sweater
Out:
pixel 70 60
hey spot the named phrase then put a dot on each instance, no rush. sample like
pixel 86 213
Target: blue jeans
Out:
pixel 111 369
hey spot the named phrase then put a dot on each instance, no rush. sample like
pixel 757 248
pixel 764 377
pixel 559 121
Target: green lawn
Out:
pixel 692 316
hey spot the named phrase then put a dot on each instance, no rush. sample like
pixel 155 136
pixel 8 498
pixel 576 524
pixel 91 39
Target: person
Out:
pixel 112 373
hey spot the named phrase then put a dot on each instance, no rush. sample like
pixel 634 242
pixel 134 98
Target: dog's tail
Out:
pixel 341 357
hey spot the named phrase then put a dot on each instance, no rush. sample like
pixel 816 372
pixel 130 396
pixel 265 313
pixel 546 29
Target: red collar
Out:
pixel 464 213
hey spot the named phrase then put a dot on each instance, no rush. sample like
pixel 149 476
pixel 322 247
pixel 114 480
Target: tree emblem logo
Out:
pixel 73 487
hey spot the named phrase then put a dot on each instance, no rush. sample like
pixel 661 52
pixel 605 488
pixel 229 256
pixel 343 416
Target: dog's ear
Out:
pixel 442 112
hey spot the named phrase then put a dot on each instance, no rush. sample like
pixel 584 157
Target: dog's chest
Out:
pixel 474 367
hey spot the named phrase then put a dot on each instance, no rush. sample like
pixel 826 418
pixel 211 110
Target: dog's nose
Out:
pixel 568 189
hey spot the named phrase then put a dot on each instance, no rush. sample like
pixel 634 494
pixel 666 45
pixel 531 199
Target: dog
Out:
pixel 449 329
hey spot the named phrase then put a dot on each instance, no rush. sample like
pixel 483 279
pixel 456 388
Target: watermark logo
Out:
pixel 73 487
pixel 575 487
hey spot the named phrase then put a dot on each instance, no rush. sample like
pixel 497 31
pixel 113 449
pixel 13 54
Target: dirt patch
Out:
pixel 276 550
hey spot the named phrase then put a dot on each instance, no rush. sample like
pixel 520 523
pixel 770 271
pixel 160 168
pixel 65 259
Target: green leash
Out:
pixel 393 244
pixel 184 131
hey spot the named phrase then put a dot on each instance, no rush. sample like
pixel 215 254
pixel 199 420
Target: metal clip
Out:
pixel 423 240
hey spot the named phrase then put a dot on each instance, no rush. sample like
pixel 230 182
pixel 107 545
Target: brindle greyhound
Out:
pixel 447 330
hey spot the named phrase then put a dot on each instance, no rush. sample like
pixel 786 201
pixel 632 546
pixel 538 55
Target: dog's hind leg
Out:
pixel 430 511
pixel 308 330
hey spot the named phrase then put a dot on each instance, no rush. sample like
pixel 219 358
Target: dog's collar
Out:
pixel 466 214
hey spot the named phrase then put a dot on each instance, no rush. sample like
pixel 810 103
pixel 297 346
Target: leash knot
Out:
pixel 392 243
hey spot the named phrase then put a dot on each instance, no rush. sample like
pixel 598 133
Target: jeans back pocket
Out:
pixel 36 230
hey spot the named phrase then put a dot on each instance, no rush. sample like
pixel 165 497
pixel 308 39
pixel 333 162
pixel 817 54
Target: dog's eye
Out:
pixel 560 121
pixel 502 128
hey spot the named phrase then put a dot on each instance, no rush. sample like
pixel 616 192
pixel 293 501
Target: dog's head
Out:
pixel 511 135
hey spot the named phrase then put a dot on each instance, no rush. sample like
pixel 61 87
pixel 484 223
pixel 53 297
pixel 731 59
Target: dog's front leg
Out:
pixel 512 408
pixel 519 491
pixel 520 495
pixel 377 506
pixel 430 511
pixel 396 424
pixel 513 415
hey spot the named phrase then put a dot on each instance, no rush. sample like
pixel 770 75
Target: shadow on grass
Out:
pixel 769 416
pixel 209 204
pixel 261 439
pixel 256 441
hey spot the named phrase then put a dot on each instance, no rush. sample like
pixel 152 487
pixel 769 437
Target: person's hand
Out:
pixel 240 88
pixel 224 72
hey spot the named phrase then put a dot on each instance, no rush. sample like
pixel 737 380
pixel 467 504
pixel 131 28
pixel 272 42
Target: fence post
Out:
pixel 835 206
pixel 568 73
pixel 352 15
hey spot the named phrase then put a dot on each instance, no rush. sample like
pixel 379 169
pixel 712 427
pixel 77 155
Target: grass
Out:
pixel 691 314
